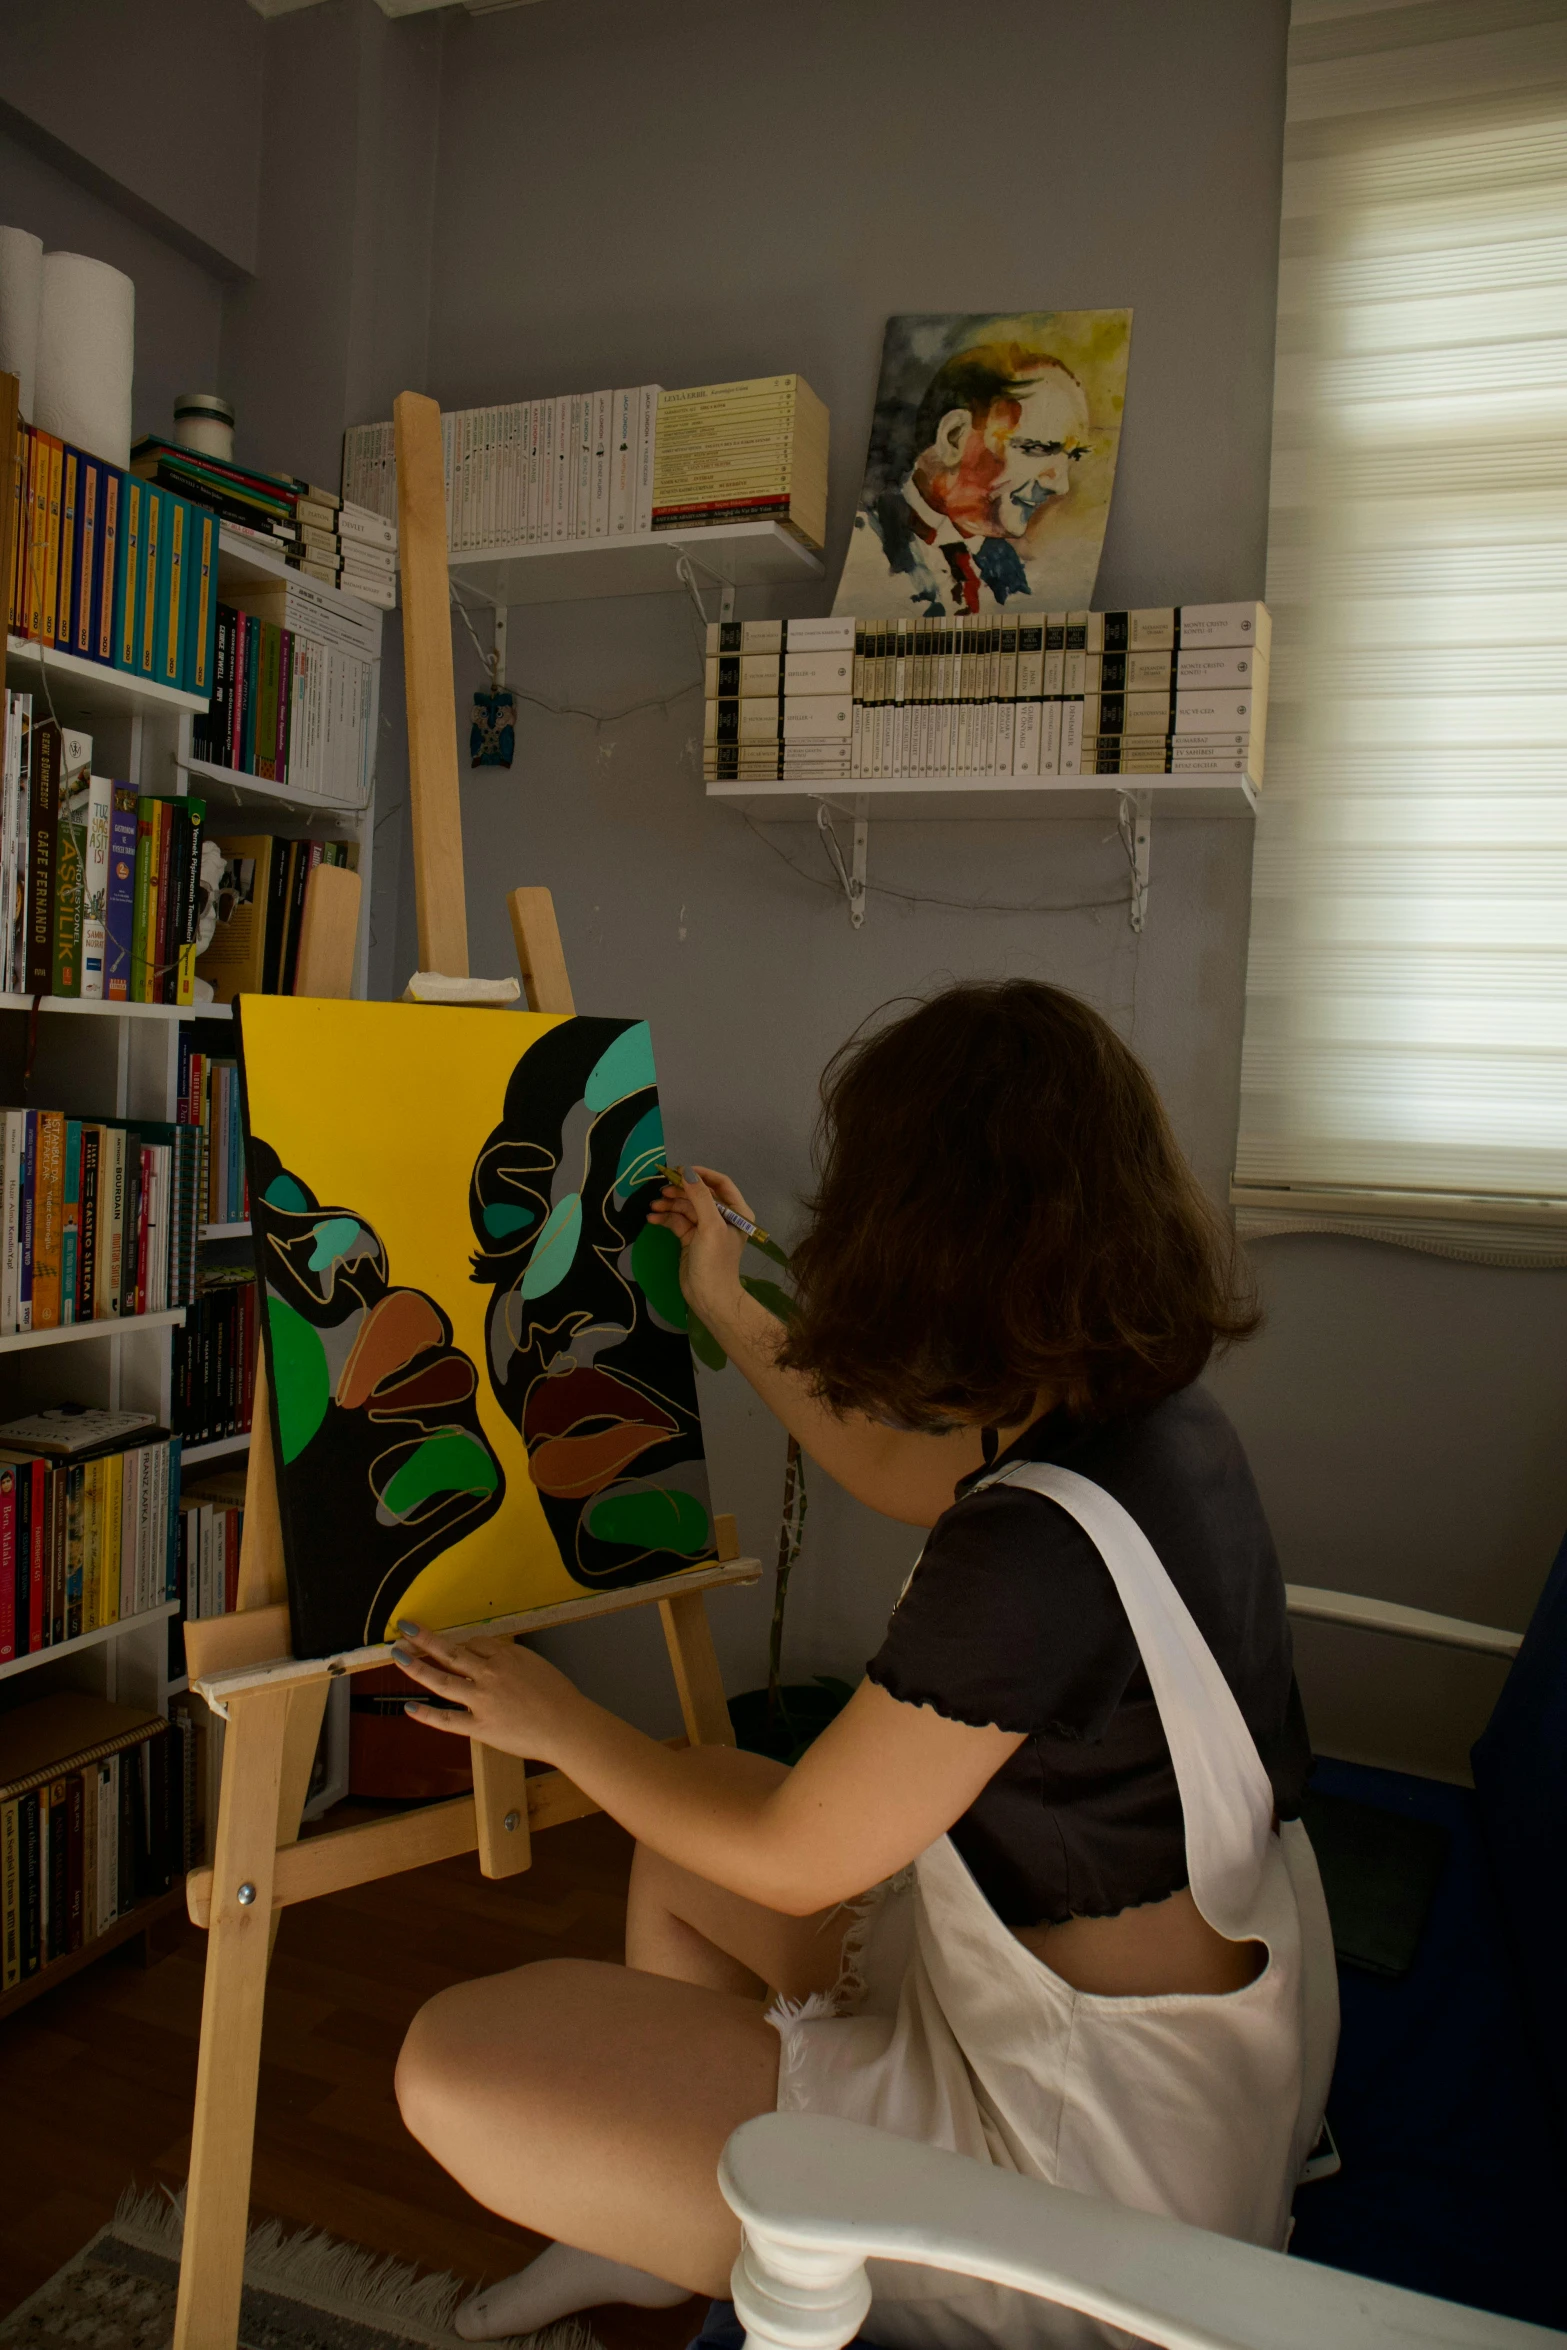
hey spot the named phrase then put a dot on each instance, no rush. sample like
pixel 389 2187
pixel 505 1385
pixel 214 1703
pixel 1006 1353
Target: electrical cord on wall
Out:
pixel 835 884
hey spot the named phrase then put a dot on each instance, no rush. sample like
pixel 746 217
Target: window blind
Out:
pixel 1404 1071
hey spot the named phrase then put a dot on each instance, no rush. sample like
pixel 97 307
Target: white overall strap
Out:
pixel 1226 1797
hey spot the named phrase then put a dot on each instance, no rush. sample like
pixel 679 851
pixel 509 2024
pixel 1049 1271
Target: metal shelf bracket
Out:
pixel 852 875
pixel 1136 829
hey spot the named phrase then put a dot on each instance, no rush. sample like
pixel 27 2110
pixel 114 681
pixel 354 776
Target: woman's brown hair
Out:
pixel 1001 1207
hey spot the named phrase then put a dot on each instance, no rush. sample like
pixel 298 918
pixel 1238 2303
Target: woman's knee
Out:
pixel 448 2058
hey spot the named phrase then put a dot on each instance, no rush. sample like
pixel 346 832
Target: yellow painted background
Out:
pixel 382 1110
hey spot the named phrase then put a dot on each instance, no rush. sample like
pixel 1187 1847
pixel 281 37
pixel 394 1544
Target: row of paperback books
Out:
pixel 287 705
pixel 576 467
pixel 99 884
pixel 109 567
pixel 1177 690
pixel 314 530
pixel 212 1524
pixel 84 1542
pixel 610 464
pixel 261 911
pixel 97 1815
pixel 209 1098
pixel 100 1218
pixel 214 1358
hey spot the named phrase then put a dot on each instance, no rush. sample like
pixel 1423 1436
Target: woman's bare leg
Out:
pixel 591 2102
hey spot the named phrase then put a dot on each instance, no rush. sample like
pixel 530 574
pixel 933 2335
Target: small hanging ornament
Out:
pixel 492 737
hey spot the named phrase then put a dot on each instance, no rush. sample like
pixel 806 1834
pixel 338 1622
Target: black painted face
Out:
pixel 377 1415
pixel 586 1326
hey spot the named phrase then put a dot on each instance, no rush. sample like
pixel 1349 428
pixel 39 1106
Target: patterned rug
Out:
pixel 302 2292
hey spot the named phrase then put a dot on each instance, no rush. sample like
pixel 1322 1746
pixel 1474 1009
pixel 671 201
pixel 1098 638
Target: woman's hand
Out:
pixel 510 1698
pixel 710 1249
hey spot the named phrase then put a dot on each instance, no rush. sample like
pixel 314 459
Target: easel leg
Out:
pixel 697 1678
pixel 212 2264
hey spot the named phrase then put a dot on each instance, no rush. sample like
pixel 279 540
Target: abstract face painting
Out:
pixel 481 1384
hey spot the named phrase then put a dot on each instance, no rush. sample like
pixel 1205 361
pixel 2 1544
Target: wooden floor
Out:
pixel 97 2077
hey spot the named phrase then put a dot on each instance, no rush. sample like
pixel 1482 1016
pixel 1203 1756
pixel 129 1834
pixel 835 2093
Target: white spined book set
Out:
pixel 1171 690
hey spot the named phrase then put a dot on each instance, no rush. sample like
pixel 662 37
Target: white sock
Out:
pixel 557 2284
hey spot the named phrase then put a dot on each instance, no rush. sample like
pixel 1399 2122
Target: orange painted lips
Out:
pixel 571 1451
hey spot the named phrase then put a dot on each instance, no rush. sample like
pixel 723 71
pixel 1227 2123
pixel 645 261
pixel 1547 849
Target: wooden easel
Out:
pixel 242 1664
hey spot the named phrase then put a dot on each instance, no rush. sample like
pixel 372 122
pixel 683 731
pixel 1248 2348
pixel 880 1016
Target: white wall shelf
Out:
pixel 256 791
pixel 732 554
pixel 24 1341
pixel 92 1007
pixel 899 797
pixel 86 691
pixel 94 1639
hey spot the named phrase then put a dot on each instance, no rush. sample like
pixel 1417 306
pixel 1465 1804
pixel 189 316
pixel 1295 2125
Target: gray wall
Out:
pixel 582 193
pixel 759 194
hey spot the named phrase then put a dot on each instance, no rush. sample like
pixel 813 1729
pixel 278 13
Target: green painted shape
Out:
pixel 504 1217
pixel 300 1377
pixel 334 1239
pixel 624 1068
pixel 554 1252
pixel 453 1462
pixel 641 1154
pixel 665 1519
pixel 655 1268
pixel 284 1192
pixel 704 1345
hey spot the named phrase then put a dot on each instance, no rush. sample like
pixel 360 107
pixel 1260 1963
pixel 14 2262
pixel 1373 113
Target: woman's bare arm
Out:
pixel 894 1471
pixel 881 1783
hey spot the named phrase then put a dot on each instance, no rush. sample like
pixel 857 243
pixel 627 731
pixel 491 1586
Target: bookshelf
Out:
pixel 98 1059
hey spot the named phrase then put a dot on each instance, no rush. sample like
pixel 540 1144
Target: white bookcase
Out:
pixel 122 1060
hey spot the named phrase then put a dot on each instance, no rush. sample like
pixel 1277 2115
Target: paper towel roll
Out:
pixel 86 349
pixel 21 269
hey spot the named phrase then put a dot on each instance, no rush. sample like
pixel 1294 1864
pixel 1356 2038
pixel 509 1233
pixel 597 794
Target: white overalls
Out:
pixel 946 2029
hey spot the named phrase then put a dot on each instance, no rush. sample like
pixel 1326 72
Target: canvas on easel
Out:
pixel 481 1385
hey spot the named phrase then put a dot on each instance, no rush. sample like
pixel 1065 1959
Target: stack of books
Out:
pixel 110 567
pixel 294 691
pixel 1175 691
pixel 99 884
pixel 367 555
pixel 754 451
pixel 100 1218
pixel 311 528
pixel 212 1524
pixel 605 465
pixel 780 699
pixel 95 1805
pixel 86 1524
pixel 215 1357
pixel 261 913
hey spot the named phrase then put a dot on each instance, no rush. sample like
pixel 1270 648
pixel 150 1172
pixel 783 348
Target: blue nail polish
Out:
pixel 401 1648
pixel 406 1624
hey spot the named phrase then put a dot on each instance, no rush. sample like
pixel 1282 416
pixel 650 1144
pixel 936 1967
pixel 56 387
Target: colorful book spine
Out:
pixel 70 861
pixel 200 663
pixel 154 580
pixel 143 932
pixel 134 496
pixel 71 1221
pixel 120 900
pixel 95 885
pixel 50 1179
pixel 107 573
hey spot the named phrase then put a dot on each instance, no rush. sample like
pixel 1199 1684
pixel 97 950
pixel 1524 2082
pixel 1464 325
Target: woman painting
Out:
pixel 1039 1894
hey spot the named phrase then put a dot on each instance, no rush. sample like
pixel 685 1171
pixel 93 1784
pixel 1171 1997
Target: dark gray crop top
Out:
pixel 1011 1618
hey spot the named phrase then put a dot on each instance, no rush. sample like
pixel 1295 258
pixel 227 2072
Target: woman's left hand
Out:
pixel 510 1698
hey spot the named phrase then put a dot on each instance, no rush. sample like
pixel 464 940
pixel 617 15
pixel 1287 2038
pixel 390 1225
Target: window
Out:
pixel 1405 1062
